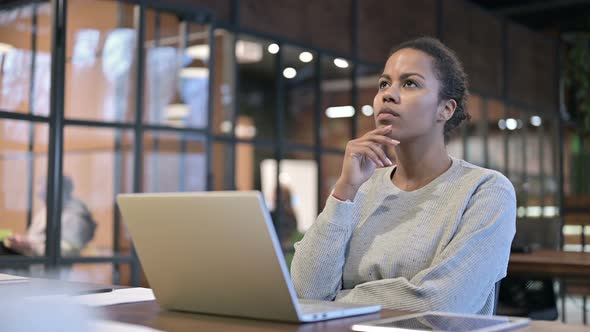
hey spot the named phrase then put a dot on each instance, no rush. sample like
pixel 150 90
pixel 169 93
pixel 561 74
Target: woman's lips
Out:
pixel 386 116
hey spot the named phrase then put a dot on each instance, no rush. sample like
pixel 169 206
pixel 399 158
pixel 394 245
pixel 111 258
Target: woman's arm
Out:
pixel 316 269
pixel 317 265
pixel 462 277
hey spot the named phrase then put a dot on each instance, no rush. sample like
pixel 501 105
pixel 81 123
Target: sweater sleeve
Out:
pixel 317 265
pixel 462 277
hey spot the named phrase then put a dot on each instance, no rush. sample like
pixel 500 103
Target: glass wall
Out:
pixel 113 128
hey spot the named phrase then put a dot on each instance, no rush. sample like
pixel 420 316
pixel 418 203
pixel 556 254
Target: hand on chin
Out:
pixel 392 133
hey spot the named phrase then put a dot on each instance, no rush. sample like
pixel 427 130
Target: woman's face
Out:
pixel 407 98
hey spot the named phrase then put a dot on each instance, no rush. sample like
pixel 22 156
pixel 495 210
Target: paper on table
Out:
pixel 103 325
pixel 117 296
pixel 5 278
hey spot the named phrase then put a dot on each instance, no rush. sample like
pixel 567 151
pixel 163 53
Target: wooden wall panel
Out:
pixel 486 69
pixel 382 25
pixel 520 80
pixel 221 8
pixel 476 37
pixel 545 94
pixel 324 24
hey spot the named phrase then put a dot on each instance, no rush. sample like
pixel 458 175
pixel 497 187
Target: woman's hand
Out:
pixel 362 156
pixel 18 243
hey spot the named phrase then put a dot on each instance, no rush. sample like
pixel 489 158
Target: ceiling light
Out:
pixel 289 72
pixel 245 131
pixel 536 121
pixel 194 72
pixel 305 57
pixel 284 178
pixel 248 52
pixel 200 52
pixel 511 124
pixel 340 63
pixel 225 127
pixel 176 111
pixel 273 48
pixel 367 110
pixel 5 48
pixel 340 112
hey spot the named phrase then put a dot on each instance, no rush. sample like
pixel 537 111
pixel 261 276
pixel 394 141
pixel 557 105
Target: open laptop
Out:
pixel 218 253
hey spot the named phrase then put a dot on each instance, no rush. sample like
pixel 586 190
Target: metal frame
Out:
pixel 31 148
pixel 56 129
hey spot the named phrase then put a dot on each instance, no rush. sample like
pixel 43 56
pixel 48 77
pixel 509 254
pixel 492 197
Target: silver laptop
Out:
pixel 218 253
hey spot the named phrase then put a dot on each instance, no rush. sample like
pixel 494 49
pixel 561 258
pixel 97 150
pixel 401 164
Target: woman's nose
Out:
pixel 391 95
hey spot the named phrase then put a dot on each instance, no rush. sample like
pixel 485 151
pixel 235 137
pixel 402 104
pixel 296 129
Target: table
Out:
pixel 150 314
pixel 551 263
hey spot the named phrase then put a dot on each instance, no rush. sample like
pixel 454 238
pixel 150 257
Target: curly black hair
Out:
pixel 449 71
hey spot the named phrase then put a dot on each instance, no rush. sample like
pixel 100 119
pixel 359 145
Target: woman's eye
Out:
pixel 410 84
pixel 383 85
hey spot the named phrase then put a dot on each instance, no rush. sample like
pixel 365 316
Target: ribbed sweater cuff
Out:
pixel 340 213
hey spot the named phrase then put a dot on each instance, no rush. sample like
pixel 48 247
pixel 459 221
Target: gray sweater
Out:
pixel 440 247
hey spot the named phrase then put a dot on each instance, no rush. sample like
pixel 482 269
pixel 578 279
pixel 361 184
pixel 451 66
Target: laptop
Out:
pixel 218 253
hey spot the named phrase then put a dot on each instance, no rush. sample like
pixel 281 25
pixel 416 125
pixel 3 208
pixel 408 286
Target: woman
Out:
pixel 430 233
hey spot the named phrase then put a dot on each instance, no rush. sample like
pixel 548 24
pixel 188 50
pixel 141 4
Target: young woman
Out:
pixel 429 233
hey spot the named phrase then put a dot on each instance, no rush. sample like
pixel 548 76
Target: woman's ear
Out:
pixel 447 110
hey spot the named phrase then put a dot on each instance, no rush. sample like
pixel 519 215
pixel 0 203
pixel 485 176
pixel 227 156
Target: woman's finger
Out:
pixel 380 139
pixel 378 150
pixel 368 153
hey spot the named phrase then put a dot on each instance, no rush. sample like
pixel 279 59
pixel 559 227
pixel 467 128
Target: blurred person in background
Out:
pixel 77 227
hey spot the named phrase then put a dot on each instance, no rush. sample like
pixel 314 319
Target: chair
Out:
pixel 496 296
pixel 531 297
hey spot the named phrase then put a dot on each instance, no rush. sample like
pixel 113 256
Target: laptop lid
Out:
pixel 211 252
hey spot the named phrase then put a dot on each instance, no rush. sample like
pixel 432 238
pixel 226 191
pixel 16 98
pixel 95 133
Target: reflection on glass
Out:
pixel 296 210
pixel 298 179
pixel 22 169
pixel 257 84
pixel 177 164
pixel 336 89
pixel 299 95
pixel 99 162
pixel 118 53
pixel 177 72
pixel 224 90
pixel 161 82
pixel 100 60
pixel 85 48
pixel 16 59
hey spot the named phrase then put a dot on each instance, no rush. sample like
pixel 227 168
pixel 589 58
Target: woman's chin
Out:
pixel 394 133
